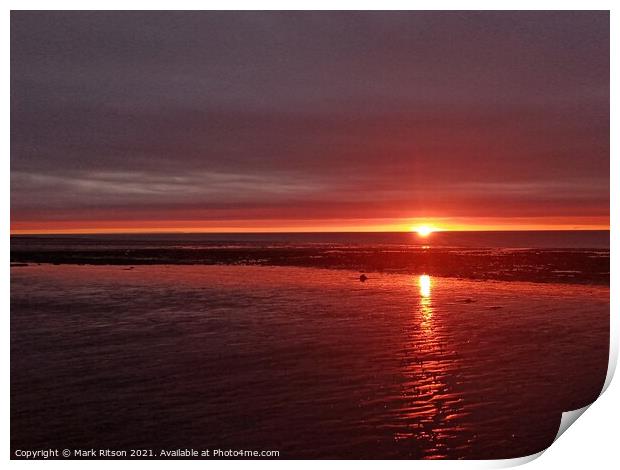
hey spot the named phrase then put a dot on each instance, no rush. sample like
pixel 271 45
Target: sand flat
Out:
pixel 311 362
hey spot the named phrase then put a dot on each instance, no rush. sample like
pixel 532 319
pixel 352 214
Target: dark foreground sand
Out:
pixel 309 362
pixel 534 265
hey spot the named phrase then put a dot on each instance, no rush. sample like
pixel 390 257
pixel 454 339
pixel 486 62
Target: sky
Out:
pixel 308 121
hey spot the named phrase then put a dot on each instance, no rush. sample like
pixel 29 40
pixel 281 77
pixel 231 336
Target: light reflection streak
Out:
pixel 426 307
pixel 425 285
pixel 429 397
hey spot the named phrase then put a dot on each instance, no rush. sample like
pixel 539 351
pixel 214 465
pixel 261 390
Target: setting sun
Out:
pixel 423 230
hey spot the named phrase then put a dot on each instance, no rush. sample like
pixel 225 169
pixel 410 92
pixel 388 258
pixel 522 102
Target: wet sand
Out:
pixel 310 362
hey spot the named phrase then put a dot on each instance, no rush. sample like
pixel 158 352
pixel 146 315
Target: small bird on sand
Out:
pixel 363 277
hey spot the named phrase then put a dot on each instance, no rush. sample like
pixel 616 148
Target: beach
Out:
pixel 307 361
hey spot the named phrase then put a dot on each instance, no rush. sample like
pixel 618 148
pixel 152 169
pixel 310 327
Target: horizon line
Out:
pixel 273 232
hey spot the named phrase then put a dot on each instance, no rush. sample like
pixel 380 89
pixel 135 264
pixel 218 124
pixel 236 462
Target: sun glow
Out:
pixel 423 230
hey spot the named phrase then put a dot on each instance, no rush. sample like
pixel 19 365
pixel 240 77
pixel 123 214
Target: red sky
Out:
pixel 293 121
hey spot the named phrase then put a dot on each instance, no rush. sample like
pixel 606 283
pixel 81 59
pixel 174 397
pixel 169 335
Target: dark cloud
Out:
pixel 336 114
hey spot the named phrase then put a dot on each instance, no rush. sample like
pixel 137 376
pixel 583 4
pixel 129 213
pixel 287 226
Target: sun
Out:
pixel 423 230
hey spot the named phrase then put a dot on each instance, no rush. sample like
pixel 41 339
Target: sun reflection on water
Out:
pixel 425 285
pixel 430 402
pixel 426 308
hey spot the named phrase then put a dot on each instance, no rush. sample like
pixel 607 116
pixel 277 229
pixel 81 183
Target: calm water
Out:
pixel 310 362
